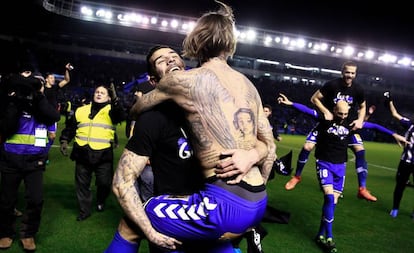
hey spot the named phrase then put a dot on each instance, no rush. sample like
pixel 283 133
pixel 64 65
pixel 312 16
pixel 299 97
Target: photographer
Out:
pixel 26 116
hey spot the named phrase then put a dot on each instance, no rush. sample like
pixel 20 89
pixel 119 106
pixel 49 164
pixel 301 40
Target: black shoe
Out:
pixel 100 207
pixel 330 246
pixel 82 217
pixel 321 241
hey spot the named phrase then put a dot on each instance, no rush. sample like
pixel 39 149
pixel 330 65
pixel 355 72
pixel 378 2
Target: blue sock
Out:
pixel 361 168
pixel 328 214
pixel 302 159
pixel 322 227
pixel 120 245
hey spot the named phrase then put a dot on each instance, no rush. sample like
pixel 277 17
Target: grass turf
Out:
pixel 359 226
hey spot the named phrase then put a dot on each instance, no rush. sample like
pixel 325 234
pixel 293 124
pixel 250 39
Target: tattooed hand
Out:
pixel 163 241
pixel 236 162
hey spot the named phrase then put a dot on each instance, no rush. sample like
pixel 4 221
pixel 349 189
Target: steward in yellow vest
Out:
pixel 93 129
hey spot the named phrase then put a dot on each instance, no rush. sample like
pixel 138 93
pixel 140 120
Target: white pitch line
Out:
pixel 351 158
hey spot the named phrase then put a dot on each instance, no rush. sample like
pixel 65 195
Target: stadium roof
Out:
pixel 61 25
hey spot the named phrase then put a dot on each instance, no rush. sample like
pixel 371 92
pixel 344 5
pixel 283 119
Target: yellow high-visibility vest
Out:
pixel 98 132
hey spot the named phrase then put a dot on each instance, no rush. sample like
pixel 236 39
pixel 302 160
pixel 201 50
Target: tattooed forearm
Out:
pixel 147 101
pixel 130 167
pixel 265 134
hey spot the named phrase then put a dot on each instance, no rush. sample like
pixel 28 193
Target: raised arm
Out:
pixel 282 99
pixel 400 139
pixel 404 121
pixel 316 99
pixel 66 77
pixel 130 167
pixel 394 111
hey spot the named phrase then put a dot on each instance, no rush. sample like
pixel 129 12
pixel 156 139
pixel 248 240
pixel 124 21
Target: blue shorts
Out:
pixel 331 174
pixel 205 215
pixel 355 139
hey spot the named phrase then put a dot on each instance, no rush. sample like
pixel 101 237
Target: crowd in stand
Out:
pixel 92 70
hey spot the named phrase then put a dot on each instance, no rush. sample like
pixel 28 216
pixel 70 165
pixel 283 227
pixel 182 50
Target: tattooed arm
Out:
pixel 173 85
pixel 265 134
pixel 130 167
pixel 147 101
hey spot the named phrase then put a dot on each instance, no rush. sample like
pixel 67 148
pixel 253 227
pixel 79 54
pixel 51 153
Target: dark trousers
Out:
pixel 33 195
pixel 403 174
pixel 83 178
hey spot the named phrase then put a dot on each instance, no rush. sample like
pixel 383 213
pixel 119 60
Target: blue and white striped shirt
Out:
pixel 407 154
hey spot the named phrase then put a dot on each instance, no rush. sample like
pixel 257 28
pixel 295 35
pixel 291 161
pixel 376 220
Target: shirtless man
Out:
pixel 211 97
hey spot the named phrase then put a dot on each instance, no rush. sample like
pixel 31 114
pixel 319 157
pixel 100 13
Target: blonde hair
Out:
pixel 212 35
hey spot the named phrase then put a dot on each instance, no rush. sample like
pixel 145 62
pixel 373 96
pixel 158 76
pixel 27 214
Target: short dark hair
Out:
pixel 349 64
pixel 26 66
pixel 47 74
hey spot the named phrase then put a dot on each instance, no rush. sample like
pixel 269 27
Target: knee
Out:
pixel 127 232
pixel 308 146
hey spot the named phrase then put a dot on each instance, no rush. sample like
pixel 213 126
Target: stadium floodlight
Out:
pixel 301 43
pixel 268 40
pixel 164 23
pixel 387 58
pixel 278 39
pixel 339 50
pixel 154 21
pixel 102 13
pixel 404 61
pixel 324 46
pixel 86 11
pixel 349 51
pixel 285 40
pixel 99 12
pixel 369 54
pixel 251 35
pixel 174 23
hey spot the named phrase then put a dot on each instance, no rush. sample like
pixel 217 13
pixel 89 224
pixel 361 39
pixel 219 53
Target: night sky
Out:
pixel 385 25
pixel 382 25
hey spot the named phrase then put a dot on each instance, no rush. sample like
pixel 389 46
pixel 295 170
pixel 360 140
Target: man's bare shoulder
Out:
pixel 177 80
